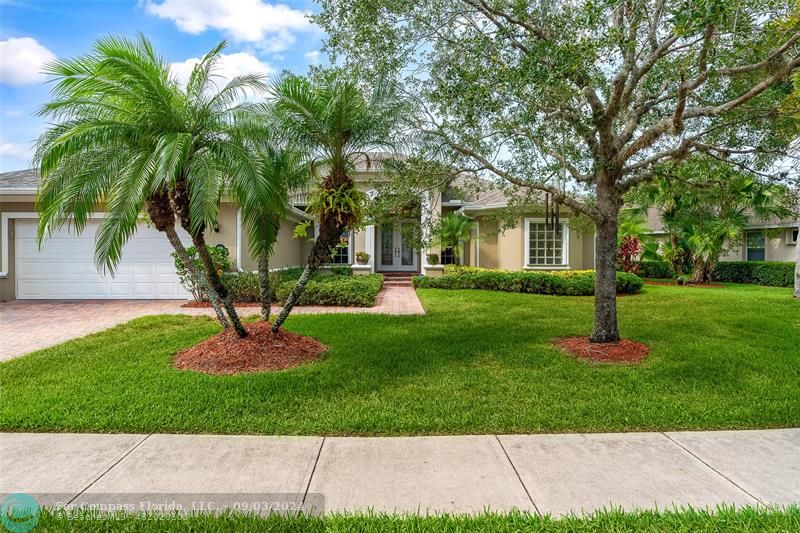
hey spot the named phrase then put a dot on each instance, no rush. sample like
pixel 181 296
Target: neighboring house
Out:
pixel 64 267
pixel 765 240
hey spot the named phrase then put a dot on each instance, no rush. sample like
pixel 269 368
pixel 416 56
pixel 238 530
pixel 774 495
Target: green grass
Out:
pixel 723 520
pixel 478 362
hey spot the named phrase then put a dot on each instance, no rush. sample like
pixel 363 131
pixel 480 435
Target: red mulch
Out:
pixel 225 353
pixel 624 351
pixel 697 285
pixel 204 305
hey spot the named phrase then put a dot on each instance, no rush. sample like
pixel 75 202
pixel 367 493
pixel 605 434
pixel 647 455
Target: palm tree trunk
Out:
pixel 216 283
pixel 199 275
pixel 677 262
pixel 329 232
pixel 263 282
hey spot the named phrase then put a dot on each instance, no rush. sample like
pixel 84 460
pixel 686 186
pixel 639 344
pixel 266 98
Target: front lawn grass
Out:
pixel 478 362
pixel 724 519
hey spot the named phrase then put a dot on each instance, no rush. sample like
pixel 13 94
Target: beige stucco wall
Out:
pixel 9 204
pixel 506 250
pixel 225 236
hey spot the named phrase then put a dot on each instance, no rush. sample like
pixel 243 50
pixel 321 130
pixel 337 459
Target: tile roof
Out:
pixel 20 179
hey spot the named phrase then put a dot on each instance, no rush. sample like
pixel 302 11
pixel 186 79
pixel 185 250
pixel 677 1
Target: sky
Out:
pixel 264 36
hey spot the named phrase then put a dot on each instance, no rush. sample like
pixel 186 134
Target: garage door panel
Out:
pixel 64 268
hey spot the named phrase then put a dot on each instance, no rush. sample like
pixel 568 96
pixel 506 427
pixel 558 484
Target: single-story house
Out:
pixel 64 267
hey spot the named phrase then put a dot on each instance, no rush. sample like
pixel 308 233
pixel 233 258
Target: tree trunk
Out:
pixel 329 233
pixel 263 283
pixel 797 265
pixel 605 285
pixel 199 275
pixel 702 270
pixel 677 262
pixel 180 200
pixel 199 242
pixel 162 215
pixel 331 226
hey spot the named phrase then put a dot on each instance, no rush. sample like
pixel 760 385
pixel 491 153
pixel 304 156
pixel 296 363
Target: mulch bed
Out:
pixel 696 285
pixel 624 351
pixel 262 350
pixel 206 305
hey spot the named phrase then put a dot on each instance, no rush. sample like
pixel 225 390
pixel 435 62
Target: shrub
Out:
pixel 341 290
pixel 563 283
pixel 242 286
pixel 656 269
pixel 220 256
pixel 773 273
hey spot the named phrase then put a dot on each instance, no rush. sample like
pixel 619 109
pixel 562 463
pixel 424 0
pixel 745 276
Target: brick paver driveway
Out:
pixel 29 325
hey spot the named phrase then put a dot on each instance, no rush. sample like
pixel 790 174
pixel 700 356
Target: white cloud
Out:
pixel 16 150
pixel 312 56
pixel 21 61
pixel 243 20
pixel 229 65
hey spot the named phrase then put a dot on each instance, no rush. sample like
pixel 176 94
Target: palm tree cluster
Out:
pixel 128 137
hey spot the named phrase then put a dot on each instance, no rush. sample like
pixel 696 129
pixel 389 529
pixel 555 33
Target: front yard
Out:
pixel 478 362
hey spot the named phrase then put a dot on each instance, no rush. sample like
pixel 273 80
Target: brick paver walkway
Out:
pixel 29 325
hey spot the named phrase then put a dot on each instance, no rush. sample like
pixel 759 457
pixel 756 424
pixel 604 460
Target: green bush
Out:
pixel 656 269
pixel 773 273
pixel 219 255
pixel 563 283
pixel 340 290
pixel 242 286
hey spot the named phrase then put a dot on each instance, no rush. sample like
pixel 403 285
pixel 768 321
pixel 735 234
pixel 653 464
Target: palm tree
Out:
pixel 331 117
pixel 128 137
pixel 454 229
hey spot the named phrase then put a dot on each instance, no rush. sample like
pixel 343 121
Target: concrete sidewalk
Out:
pixel 546 474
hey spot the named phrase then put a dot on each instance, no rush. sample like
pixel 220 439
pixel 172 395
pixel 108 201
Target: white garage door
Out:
pixel 64 268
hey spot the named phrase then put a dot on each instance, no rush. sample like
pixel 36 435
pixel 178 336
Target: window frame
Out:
pixel 350 239
pixel 564 246
pixel 747 246
pixel 791 239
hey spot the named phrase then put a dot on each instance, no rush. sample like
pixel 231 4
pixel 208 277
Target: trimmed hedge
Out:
pixel 656 269
pixel 244 288
pixel 562 283
pixel 773 273
pixel 340 290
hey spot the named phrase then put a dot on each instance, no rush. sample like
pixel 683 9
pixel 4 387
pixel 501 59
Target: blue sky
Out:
pixel 264 36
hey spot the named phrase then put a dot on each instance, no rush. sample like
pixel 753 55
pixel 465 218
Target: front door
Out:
pixel 395 253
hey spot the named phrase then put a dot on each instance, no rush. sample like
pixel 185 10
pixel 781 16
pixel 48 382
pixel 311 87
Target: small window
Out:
pixel 341 254
pixel 546 245
pixel 448 256
pixel 791 236
pixel 756 245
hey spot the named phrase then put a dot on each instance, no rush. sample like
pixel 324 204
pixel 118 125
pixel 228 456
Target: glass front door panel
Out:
pixel 406 251
pixel 387 244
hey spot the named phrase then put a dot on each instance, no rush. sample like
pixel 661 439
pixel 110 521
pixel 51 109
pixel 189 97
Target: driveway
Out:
pixel 29 325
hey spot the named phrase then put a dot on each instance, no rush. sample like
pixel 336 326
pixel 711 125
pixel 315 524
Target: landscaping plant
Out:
pixel 331 116
pixel 581 100
pixel 128 136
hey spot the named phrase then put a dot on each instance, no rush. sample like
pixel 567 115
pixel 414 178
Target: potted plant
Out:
pixel 433 259
pixel 362 258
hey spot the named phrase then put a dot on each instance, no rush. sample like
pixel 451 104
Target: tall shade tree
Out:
pixel 582 99
pixel 128 138
pixel 335 120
